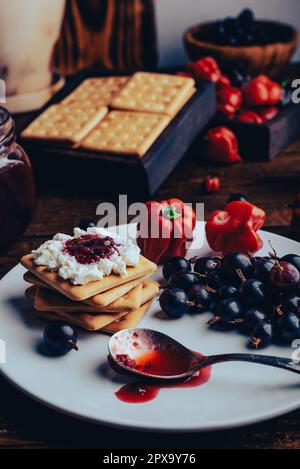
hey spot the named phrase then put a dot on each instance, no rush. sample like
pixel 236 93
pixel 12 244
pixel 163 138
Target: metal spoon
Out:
pixel 130 349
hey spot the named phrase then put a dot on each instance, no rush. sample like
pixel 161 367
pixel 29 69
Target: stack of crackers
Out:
pixel 118 115
pixel 116 302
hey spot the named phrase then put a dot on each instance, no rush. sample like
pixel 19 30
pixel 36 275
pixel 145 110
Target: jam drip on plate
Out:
pixel 90 248
pixel 144 391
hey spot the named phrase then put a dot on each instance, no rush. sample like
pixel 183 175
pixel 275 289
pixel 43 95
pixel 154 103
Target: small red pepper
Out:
pixel 250 117
pixel 223 81
pixel 229 101
pixel 170 224
pixel 261 91
pixel 269 113
pixel 222 146
pixel 234 229
pixel 210 184
pixel 206 68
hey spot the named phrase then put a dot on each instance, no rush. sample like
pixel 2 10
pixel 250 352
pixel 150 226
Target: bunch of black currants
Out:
pixel 242 30
pixel 260 296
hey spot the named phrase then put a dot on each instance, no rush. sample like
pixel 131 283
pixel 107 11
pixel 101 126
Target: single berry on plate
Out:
pixel 284 276
pixel 263 267
pixel 262 335
pixel 235 264
pixel 201 298
pixel 174 302
pixel 185 280
pixel 229 310
pixel 253 293
pixel 252 317
pixel 215 279
pixel 203 265
pixel 60 337
pixel 291 304
pixel 293 259
pixel 175 264
pixel 289 327
pixel 228 291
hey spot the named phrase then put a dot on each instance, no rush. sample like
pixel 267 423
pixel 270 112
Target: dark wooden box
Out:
pixel 261 142
pixel 79 169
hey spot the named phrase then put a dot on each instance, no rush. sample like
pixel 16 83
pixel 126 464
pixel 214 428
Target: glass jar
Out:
pixel 17 192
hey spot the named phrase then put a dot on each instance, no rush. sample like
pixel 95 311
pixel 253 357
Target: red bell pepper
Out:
pixel 229 101
pixel 210 184
pixel 222 146
pixel 234 229
pixel 250 117
pixel 269 113
pixel 170 224
pixel 223 81
pixel 205 68
pixel 261 91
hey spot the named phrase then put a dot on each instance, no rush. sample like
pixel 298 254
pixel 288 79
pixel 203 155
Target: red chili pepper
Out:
pixel 225 111
pixel 210 184
pixel 170 225
pixel 250 116
pixel 222 146
pixel 261 91
pixel 229 100
pixel 206 68
pixel 223 81
pixel 234 229
pixel 269 113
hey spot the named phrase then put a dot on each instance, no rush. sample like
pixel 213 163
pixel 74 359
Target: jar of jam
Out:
pixel 17 192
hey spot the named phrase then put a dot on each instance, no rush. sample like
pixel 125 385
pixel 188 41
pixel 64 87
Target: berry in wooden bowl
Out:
pixel 257 46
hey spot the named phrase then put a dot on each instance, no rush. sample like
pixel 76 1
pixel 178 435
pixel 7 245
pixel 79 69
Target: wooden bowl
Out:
pixel 254 60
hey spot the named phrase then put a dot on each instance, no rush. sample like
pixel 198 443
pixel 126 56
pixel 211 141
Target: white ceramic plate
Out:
pixel 80 384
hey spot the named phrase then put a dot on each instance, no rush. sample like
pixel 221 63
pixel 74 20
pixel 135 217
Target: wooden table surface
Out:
pixel 272 186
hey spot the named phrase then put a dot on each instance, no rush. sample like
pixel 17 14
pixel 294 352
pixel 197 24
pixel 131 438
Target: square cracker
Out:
pixel 46 300
pixel 66 124
pixel 96 91
pixel 35 281
pixel 154 92
pixel 126 133
pixel 150 290
pixel 99 321
pixel 90 322
pixel 82 292
pixel 98 301
pixel 30 292
pixel 129 321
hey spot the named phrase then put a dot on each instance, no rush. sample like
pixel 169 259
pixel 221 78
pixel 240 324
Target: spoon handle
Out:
pixel 278 362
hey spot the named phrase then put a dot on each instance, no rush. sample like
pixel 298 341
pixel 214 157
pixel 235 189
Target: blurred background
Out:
pixel 173 17
pixel 65 36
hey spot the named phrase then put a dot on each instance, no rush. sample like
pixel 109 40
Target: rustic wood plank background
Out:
pixel 24 423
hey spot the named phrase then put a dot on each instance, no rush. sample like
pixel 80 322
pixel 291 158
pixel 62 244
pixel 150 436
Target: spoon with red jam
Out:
pixel 154 355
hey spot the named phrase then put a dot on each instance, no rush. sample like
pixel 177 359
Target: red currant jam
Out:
pixel 160 363
pixel 90 248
